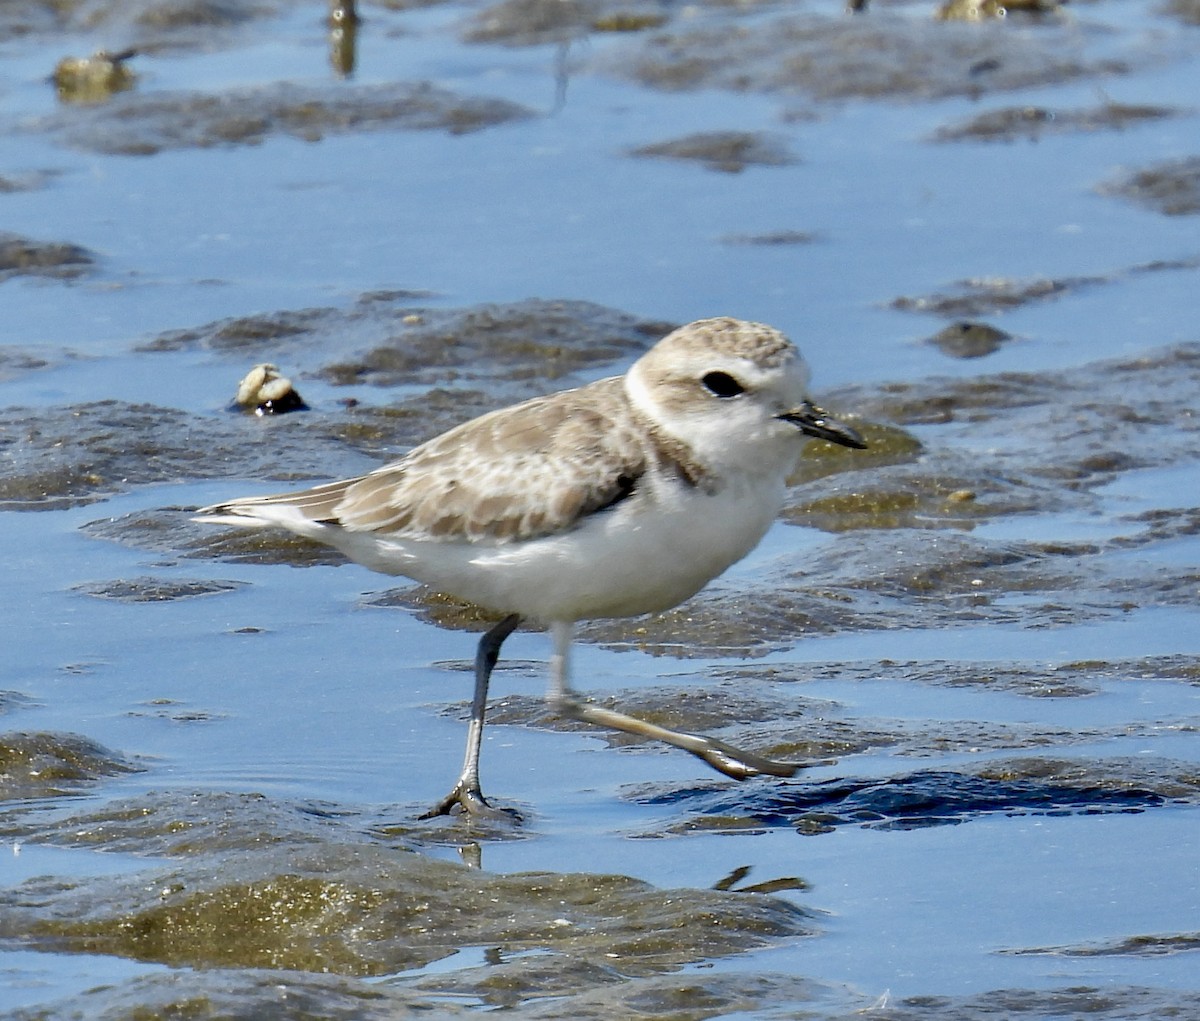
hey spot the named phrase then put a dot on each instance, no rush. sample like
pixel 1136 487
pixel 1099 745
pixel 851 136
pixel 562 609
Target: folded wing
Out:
pixel 530 470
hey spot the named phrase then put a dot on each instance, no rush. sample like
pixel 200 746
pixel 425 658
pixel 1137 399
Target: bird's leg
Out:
pixel 466 793
pixel 734 762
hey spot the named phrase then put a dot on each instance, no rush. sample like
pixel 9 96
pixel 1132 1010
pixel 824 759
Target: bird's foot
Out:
pixel 467 799
pixel 725 758
pixel 739 764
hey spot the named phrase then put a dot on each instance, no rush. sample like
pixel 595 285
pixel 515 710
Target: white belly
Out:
pixel 646 554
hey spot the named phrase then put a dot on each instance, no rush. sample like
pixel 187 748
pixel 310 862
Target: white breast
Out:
pixel 648 553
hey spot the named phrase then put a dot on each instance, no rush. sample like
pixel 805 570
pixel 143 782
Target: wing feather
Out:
pixel 530 470
pixel 526 471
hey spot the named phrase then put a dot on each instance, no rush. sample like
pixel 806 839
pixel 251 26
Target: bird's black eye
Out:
pixel 722 384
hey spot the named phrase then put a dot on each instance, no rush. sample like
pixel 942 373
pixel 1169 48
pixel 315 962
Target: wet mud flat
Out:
pixel 259 898
pixel 979 634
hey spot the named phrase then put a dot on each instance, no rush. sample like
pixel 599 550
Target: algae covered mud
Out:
pixel 978 223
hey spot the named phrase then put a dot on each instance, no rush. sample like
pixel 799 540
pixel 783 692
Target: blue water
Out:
pixel 333 701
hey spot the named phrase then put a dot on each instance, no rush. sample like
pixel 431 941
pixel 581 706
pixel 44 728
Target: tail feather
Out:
pixel 314 506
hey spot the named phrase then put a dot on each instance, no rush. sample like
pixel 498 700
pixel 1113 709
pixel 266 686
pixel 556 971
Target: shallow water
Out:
pixel 982 633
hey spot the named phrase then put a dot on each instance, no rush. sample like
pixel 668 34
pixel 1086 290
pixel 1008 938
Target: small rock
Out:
pixel 966 339
pixel 93 79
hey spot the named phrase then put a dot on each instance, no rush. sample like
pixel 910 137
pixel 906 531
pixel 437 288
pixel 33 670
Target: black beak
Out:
pixel 812 421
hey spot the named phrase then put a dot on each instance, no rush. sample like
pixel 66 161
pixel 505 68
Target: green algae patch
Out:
pixel 527 986
pixel 388 339
pixel 67 456
pixel 939 502
pixel 363 910
pixel 1150 945
pixel 156 590
pixel 993 295
pixel 219 994
pixel 240 924
pixel 185 823
pixel 22 256
pixel 1032 123
pixel 1171 188
pixel 967 339
pixel 1110 1002
pixel 537 340
pixel 41 765
pixel 887 444
pixel 149 26
pixel 15 363
pixel 133 124
pixel 884 57
pixel 729 152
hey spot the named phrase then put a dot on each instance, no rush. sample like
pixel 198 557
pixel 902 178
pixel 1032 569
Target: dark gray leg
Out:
pixel 466 793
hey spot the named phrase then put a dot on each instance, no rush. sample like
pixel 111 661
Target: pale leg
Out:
pixel 466 793
pixel 723 757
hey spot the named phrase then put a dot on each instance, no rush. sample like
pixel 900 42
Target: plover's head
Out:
pixel 731 389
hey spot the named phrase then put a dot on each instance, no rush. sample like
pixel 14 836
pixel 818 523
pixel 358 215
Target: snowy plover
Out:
pixel 622 497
